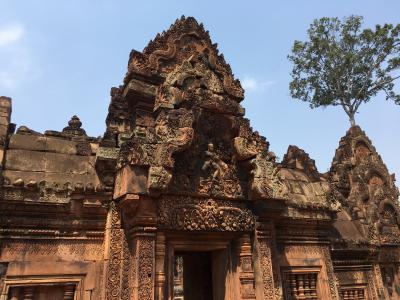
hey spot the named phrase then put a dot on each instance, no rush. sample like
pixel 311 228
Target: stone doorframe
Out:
pixel 239 280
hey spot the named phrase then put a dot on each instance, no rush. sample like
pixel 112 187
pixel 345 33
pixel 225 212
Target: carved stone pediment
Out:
pixel 296 158
pixel 184 39
pixel 195 140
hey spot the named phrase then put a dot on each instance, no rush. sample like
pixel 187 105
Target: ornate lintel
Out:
pixel 199 214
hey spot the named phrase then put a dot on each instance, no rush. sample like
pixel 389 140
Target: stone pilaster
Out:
pixel 263 246
pixel 117 258
pixel 160 279
pixel 245 270
pixel 143 264
pixel 332 279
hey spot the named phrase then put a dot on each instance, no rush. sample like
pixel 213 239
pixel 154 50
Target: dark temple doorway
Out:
pixel 200 275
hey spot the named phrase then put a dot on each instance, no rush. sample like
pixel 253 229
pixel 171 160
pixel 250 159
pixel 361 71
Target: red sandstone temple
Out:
pixel 181 200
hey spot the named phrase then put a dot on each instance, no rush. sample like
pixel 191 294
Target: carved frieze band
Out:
pixel 195 214
pixel 11 249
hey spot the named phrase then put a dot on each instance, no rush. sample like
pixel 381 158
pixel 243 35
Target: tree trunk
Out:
pixel 352 119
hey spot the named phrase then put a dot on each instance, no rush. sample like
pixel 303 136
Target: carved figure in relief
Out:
pixel 265 180
pixel 214 164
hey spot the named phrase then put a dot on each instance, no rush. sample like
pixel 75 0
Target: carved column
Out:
pixel 160 267
pixel 28 293
pixel 271 285
pixel 143 264
pixel 245 268
pixel 69 292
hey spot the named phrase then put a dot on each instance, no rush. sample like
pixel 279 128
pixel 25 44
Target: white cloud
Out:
pixel 16 61
pixel 17 66
pixel 252 84
pixel 10 34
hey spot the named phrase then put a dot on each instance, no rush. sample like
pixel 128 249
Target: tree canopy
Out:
pixel 343 64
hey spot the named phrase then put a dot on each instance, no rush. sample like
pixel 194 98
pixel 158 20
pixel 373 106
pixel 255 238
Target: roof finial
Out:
pixel 74 128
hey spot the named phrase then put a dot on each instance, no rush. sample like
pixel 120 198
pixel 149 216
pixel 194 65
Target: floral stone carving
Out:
pixel 194 214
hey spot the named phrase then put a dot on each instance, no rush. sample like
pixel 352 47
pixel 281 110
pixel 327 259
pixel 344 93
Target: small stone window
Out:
pixel 299 285
pixel 42 292
pixel 352 293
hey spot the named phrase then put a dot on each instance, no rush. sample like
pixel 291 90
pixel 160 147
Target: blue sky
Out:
pixel 60 58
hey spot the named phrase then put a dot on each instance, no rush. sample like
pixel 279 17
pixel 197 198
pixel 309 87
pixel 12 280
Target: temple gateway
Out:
pixel 180 199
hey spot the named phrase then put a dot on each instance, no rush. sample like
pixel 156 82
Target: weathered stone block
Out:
pixel 60 146
pixel 140 88
pixel 25 160
pixel 27 142
pixel 64 163
pixel 130 181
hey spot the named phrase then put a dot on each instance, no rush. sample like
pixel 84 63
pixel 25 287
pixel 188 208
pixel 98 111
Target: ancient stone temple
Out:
pixel 181 199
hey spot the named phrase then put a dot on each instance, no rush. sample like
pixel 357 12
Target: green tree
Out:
pixel 343 64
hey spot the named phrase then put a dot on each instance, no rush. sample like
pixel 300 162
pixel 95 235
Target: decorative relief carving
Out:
pixel 265 181
pixel 184 39
pixel 214 164
pixel 361 181
pixel 172 133
pixel 126 289
pixel 244 149
pixel 246 275
pixel 82 249
pixel 375 279
pixel 351 277
pixel 113 288
pixel 179 149
pixel 266 268
pixel 195 214
pixel 119 262
pixel 145 267
pixel 333 281
pixel 300 250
